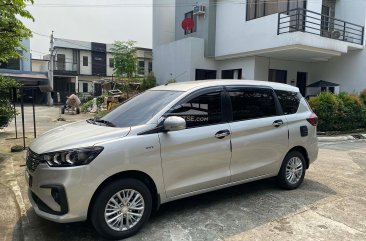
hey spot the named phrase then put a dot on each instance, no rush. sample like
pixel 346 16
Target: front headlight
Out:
pixel 73 157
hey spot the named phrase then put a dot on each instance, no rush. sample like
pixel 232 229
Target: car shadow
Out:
pixel 210 216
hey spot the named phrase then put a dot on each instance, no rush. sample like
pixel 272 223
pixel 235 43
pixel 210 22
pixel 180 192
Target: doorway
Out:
pixel 276 75
pixel 301 82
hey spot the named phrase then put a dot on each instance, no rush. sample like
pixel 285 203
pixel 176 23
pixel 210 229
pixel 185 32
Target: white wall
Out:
pixel 85 70
pixel 236 37
pixel 68 58
pixel 26 62
pixel 90 86
pixel 347 70
pixel 39 65
pixel 178 60
pixel 109 69
pixel 163 22
pixel 353 11
pixel 315 6
pixel 247 65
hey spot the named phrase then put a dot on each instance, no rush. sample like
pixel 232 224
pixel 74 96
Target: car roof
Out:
pixel 191 85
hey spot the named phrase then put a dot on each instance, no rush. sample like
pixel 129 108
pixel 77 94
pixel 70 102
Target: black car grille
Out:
pixel 33 160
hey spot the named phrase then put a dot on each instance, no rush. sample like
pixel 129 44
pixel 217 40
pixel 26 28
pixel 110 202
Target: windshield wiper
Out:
pixel 96 121
pixel 91 121
pixel 105 122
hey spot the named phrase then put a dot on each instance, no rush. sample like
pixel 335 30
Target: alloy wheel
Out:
pixel 294 170
pixel 124 210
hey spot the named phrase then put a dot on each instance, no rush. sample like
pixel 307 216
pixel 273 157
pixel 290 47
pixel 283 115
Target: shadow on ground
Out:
pixel 211 216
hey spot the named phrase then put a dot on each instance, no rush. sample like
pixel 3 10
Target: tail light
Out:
pixel 313 120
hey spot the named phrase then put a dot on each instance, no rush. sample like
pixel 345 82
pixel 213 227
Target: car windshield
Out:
pixel 140 109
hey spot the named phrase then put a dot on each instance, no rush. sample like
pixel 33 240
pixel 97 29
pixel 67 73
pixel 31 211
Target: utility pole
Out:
pixel 51 68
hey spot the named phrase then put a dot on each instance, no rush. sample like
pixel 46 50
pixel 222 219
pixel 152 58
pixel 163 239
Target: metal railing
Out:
pixel 303 20
pixel 64 66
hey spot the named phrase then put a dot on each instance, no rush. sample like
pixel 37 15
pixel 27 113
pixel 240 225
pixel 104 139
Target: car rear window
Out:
pixel 289 101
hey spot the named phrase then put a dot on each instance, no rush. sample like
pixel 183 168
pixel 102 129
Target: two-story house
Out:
pixel 82 67
pixel 33 82
pixel 297 42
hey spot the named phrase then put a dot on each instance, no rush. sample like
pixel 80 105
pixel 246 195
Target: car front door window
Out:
pixel 203 110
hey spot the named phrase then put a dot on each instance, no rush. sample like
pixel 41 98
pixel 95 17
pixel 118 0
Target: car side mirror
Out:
pixel 174 123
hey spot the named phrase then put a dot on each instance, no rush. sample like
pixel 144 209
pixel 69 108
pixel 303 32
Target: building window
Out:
pixel 61 65
pixel 111 63
pixel 85 87
pixel 150 67
pixel 231 74
pixel 194 17
pixel 203 74
pixel 261 8
pixel 279 76
pixel 85 60
pixel 141 66
pixel 11 64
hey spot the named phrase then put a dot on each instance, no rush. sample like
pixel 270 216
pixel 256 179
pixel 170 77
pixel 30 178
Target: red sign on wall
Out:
pixel 187 24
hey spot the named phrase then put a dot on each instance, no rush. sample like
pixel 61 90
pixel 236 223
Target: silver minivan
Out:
pixel 170 142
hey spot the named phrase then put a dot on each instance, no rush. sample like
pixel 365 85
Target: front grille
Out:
pixel 33 160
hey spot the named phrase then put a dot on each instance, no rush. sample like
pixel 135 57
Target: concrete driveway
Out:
pixel 330 205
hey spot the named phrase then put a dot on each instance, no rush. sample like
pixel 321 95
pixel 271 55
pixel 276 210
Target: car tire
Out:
pixel 292 171
pixel 124 187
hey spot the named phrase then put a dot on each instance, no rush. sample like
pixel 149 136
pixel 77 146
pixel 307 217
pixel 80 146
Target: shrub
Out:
pixel 6 110
pixel 85 107
pixel 351 112
pixel 101 99
pixel 148 82
pixel 325 106
pixel 341 112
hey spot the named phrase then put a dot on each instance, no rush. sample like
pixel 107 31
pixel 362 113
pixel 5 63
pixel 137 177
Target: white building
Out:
pixel 297 42
pixel 82 67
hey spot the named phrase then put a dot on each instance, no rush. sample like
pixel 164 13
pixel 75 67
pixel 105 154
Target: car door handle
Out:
pixel 222 134
pixel 277 123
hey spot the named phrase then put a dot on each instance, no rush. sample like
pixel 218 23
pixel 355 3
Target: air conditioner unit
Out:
pixel 199 10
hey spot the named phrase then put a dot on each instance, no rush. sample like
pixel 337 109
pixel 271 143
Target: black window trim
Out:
pixel 85 61
pixel 279 111
pixel 207 90
pixel 264 9
pixel 194 18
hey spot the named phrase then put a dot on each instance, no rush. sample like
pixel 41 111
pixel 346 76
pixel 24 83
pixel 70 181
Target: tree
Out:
pixel 6 109
pixel 125 59
pixel 125 62
pixel 12 30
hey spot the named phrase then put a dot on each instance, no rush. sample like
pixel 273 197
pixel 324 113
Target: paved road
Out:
pixel 330 205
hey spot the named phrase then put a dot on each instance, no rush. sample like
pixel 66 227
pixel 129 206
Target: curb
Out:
pixel 19 198
pixel 341 138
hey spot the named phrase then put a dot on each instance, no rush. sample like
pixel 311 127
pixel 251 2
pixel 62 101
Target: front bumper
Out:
pixel 62 194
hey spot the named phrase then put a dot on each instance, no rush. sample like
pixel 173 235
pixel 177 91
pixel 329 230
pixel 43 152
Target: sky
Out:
pixel 82 20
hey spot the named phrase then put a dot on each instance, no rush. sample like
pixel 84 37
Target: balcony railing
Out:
pixel 307 21
pixel 62 68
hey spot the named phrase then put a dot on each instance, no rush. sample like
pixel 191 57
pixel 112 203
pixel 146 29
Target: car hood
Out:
pixel 75 135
